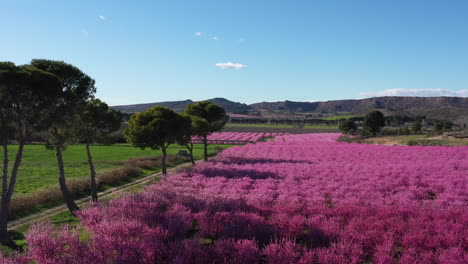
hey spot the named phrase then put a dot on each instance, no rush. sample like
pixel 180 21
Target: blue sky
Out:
pixel 149 51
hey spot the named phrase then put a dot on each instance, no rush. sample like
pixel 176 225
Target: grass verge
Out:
pixel 119 172
pixel 409 140
pixel 282 126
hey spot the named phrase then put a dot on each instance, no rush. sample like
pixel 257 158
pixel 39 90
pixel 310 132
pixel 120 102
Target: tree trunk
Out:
pixel 163 161
pixel 14 171
pixel 205 148
pixel 191 153
pixel 7 193
pixel 4 238
pixel 63 185
pixel 5 168
pixel 94 195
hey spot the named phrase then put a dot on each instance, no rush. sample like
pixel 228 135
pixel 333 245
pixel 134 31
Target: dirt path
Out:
pixel 43 215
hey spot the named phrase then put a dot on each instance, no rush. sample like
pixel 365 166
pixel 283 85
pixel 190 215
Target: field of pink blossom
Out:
pixel 299 199
pixel 236 137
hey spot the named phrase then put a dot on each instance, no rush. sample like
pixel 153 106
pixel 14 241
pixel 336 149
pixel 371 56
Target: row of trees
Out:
pixel 159 127
pixel 373 123
pixel 57 99
pixel 52 97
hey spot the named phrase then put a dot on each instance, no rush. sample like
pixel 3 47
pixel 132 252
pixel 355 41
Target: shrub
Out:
pixel 114 176
pixel 426 142
pixel 417 126
pixel 152 162
pixel 77 187
pixel 404 131
pixel 25 202
pixel 364 133
pixel 345 138
pixel 350 139
pixel 438 126
pixel 389 131
pixel 374 121
pixel 348 127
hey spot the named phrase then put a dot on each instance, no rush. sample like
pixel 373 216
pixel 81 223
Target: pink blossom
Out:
pixel 300 198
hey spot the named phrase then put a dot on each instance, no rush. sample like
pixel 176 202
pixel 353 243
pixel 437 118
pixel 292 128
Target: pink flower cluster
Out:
pixel 233 137
pixel 299 199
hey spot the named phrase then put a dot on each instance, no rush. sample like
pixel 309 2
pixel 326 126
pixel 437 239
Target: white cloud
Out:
pixel 198 34
pixel 230 65
pixel 416 92
pixel 84 32
pixel 102 17
pixel 215 38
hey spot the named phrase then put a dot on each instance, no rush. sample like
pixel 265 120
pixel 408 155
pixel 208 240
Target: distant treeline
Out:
pixel 286 121
pixel 391 120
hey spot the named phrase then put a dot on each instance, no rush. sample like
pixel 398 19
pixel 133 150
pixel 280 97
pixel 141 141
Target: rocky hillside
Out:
pixel 449 108
pixel 386 104
pixel 179 106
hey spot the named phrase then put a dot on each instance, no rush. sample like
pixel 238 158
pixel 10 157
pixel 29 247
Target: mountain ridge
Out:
pixel 179 106
pixel 450 108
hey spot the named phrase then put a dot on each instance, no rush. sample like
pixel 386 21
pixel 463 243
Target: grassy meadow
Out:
pixel 411 140
pixel 39 171
pixel 339 117
pixel 39 166
pixel 281 126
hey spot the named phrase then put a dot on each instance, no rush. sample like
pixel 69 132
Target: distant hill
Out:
pixel 448 108
pixel 231 107
pixel 454 109
pixel 361 106
pixel 179 106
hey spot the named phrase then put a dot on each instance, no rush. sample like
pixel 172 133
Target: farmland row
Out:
pixel 278 129
pixel 236 137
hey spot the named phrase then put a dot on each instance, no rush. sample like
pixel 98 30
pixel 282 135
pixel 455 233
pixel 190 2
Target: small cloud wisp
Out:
pixel 230 65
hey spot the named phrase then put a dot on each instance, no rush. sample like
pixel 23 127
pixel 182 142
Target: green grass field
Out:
pixel 334 118
pixel 282 126
pixel 421 140
pixel 39 170
pixel 426 140
pixel 39 166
